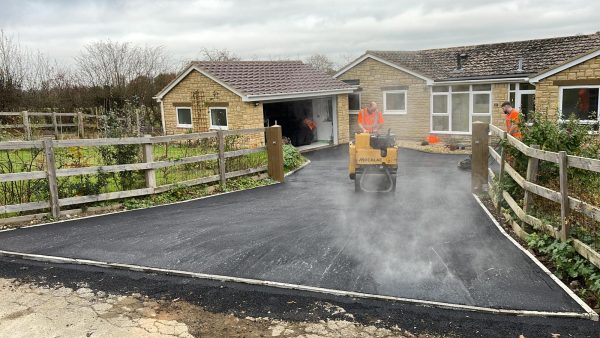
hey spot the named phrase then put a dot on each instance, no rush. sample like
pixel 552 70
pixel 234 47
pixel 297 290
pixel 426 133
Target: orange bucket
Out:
pixel 432 139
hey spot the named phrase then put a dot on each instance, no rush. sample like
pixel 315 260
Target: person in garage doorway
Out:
pixel 370 120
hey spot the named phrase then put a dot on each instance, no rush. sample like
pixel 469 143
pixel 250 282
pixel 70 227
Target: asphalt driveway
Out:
pixel 429 241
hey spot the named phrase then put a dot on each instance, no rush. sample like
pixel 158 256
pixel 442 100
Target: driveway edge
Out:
pixel 592 314
pixel 297 287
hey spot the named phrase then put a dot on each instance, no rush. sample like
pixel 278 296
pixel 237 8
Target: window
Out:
pixel 454 108
pixel 218 117
pixel 522 97
pixel 581 102
pixel 394 102
pixel 184 117
pixel 354 103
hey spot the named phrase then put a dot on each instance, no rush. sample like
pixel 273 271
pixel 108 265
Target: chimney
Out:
pixel 460 57
pixel 520 64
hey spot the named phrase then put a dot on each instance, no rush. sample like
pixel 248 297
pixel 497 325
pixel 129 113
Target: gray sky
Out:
pixel 289 29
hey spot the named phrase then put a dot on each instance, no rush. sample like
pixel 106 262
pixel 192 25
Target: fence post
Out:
pixel 137 122
pixel 222 172
pixel 532 170
pixel 275 153
pixel 55 125
pixel 80 125
pixel 500 175
pixel 564 195
pixel 148 157
pixel 51 175
pixel 26 126
pixel 479 157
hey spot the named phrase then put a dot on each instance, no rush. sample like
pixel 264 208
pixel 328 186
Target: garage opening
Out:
pixel 303 122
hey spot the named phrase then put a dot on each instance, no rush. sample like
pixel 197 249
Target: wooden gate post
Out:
pixel 479 157
pixel 55 125
pixel 564 195
pixel 51 176
pixel 149 158
pixel 532 170
pixel 500 176
pixel 26 126
pixel 221 142
pixel 80 125
pixel 275 153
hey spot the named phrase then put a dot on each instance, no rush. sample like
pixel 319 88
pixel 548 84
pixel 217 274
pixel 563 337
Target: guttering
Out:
pixel 483 80
pixel 279 96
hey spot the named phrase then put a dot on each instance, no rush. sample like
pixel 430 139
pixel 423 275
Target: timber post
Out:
pixel 26 125
pixel 80 125
pixel 500 176
pixel 148 157
pixel 275 153
pixel 51 176
pixel 222 171
pixel 532 171
pixel 479 156
pixel 564 195
pixel 55 125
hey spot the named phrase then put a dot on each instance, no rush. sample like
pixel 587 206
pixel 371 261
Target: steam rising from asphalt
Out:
pixel 415 242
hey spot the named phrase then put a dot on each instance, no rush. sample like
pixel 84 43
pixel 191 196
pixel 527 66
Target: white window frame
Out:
pixel 214 127
pixel 354 112
pixel 448 113
pixel 184 125
pixel 560 101
pixel 395 112
pixel 518 92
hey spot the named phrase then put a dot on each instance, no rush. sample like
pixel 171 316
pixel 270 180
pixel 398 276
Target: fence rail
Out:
pixel 273 148
pixel 482 174
pixel 56 124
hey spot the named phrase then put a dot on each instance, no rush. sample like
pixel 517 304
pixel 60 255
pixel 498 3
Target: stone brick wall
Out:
pixel 200 92
pixel 343 123
pixel 374 75
pixel 547 91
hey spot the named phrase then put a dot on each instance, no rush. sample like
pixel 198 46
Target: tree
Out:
pixel 13 71
pixel 218 55
pixel 115 64
pixel 321 62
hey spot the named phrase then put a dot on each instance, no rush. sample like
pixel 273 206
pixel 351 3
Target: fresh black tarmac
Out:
pixel 429 241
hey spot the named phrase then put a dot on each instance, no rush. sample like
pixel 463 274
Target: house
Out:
pixel 249 94
pixel 442 91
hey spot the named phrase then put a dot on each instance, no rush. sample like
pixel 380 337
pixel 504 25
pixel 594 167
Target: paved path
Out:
pixel 429 241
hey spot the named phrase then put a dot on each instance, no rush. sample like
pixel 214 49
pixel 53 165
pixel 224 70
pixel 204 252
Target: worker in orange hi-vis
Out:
pixel 370 119
pixel 513 119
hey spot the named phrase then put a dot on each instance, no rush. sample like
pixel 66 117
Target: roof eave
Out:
pixel 565 65
pixel 292 95
pixel 185 73
pixel 367 55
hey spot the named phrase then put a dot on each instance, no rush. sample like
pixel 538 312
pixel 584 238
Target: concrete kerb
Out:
pixel 297 287
pixel 592 314
pixel 298 169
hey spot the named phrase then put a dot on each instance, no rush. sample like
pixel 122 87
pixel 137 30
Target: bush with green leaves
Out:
pixel 568 264
pixel 292 158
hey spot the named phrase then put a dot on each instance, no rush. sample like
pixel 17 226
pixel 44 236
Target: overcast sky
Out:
pixel 289 29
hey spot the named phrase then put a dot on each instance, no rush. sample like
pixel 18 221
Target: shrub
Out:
pixel 292 158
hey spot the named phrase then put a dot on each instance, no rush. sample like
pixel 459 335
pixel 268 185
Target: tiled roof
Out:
pixel 271 77
pixel 493 60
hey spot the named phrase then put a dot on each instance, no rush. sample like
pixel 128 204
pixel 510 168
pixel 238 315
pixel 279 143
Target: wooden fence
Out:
pixel 482 174
pixel 273 141
pixel 78 122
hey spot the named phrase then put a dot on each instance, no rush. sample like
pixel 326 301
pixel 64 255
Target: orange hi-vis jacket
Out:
pixel 371 122
pixel 512 122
